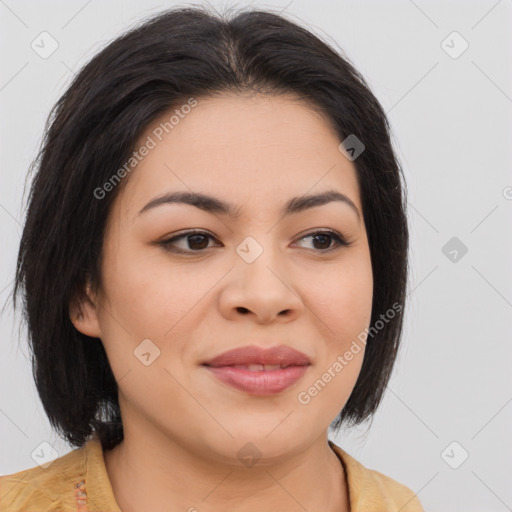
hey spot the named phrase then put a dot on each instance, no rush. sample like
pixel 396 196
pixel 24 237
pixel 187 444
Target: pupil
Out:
pixel 195 238
pixel 325 238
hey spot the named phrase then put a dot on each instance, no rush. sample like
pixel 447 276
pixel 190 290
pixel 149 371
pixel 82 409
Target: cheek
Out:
pixel 147 311
pixel 341 297
pixel 152 300
pixel 148 293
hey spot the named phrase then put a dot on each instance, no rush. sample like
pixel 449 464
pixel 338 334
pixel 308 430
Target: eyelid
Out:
pixel 340 239
pixel 166 243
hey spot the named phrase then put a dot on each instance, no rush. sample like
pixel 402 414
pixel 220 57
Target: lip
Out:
pixel 282 355
pixel 225 367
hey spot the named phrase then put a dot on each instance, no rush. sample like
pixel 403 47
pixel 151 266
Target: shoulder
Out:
pixel 55 485
pixel 371 490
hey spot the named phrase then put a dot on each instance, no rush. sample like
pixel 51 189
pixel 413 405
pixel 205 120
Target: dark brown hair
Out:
pixel 92 131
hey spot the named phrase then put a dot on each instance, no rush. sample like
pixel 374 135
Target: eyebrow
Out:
pixel 215 205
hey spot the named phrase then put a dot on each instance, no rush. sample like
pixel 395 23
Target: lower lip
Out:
pixel 262 382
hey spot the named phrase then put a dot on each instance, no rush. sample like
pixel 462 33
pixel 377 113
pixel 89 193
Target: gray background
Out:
pixel 451 120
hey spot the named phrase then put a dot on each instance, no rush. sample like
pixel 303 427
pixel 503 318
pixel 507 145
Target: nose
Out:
pixel 263 289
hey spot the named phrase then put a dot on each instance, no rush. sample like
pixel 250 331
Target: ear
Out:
pixel 84 313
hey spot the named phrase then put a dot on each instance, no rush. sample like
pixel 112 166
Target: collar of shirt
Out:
pixel 79 481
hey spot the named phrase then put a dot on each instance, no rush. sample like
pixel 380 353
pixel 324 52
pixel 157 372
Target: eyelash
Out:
pixel 340 240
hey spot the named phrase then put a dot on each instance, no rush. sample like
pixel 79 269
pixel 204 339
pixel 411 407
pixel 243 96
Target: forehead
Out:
pixel 244 148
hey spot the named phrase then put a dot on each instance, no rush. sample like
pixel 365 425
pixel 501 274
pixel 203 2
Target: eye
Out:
pixel 322 240
pixel 196 241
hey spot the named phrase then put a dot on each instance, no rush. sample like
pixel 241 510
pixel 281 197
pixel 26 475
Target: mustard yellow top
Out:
pixel 79 482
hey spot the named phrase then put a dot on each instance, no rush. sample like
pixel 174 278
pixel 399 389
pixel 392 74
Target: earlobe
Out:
pixel 83 314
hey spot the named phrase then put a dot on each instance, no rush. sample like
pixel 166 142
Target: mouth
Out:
pixel 259 371
pixel 257 367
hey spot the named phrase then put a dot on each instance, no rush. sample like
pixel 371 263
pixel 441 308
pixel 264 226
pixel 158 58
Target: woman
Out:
pixel 214 265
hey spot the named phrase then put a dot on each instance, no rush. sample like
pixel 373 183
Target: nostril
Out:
pixel 242 310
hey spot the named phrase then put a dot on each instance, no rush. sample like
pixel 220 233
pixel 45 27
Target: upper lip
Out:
pixel 281 355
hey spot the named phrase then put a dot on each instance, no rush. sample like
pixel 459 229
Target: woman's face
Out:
pixel 259 278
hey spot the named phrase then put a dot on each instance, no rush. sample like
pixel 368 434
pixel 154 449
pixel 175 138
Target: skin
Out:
pixel 183 427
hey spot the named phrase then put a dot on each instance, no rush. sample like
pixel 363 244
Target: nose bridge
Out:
pixel 261 255
pixel 257 246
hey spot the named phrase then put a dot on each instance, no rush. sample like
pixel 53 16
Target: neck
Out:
pixel 155 473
